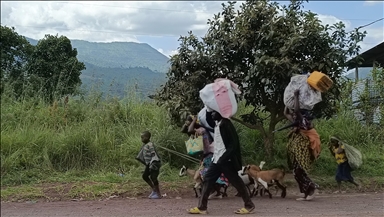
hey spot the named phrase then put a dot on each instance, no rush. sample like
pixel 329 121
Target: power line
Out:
pixel 179 11
pixel 141 34
pixel 101 31
pixel 363 26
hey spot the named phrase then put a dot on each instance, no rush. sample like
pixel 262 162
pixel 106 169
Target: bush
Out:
pixel 94 134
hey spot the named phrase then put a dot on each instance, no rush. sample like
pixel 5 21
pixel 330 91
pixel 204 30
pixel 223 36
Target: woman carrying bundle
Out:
pixel 193 127
pixel 303 148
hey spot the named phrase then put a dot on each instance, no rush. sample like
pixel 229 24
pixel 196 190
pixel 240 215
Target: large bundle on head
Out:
pixel 355 159
pixel 308 97
pixel 220 97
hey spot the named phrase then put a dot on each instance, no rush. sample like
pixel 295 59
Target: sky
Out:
pixel 160 23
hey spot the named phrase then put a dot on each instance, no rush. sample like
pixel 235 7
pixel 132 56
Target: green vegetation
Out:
pixel 84 145
pixel 260 47
pixel 50 69
pixel 119 55
pixel 110 67
pixel 113 81
pixel 88 142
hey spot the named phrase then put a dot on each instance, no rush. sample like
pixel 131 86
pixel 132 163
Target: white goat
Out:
pixel 248 180
pixel 195 174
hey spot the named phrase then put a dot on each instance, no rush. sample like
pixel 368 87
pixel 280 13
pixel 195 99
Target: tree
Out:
pixel 259 47
pixel 15 52
pixel 54 68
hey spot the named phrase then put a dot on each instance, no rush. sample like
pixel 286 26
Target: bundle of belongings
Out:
pixel 311 86
pixel 219 96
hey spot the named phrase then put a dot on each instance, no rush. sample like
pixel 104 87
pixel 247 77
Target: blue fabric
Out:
pixel 206 162
pixel 343 172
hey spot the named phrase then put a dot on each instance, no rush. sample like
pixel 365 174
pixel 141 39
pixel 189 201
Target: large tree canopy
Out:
pixel 15 53
pixel 259 47
pixel 54 67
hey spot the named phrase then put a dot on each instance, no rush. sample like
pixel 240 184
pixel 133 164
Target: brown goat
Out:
pixel 265 177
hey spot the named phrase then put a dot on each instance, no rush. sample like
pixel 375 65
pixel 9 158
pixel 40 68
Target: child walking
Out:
pixel 343 172
pixel 149 157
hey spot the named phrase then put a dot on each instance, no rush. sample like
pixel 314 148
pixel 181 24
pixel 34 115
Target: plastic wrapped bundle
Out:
pixel 355 159
pixel 201 117
pixel 319 81
pixel 308 96
pixel 220 96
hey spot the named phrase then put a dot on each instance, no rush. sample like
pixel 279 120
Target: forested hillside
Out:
pixel 112 67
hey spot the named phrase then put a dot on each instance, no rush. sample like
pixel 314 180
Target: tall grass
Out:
pixel 89 133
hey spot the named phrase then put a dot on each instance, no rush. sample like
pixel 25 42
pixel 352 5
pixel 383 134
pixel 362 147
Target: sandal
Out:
pixel 196 211
pixel 244 211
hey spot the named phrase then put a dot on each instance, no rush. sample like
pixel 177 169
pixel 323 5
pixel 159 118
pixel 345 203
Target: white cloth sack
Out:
pixel 220 97
pixel 308 97
pixel 201 117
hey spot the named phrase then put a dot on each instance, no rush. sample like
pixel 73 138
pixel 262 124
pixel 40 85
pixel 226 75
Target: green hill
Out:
pixel 112 67
pixel 119 55
pixel 114 81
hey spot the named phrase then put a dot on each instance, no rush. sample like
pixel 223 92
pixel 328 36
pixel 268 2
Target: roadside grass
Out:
pixel 79 149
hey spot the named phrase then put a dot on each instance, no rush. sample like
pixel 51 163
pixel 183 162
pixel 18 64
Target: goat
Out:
pixel 195 174
pixel 266 177
pixel 248 180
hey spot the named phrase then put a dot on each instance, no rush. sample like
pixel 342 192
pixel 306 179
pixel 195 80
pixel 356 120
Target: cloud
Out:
pixel 370 3
pixel 168 53
pixel 107 21
pixel 330 20
pixel 100 21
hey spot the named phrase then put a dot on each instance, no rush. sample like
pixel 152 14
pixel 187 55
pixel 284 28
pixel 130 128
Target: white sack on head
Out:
pixel 308 97
pixel 220 96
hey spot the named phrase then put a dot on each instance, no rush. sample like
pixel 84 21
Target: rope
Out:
pixel 184 156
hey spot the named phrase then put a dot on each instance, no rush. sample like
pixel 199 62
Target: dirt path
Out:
pixel 370 204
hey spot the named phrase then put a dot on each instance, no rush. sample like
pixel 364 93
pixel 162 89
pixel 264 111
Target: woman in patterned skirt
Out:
pixel 303 148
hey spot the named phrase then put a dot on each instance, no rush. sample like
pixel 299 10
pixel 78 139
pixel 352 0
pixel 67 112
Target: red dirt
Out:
pixel 361 204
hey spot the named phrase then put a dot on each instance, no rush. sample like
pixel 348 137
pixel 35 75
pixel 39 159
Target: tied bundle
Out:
pixel 220 97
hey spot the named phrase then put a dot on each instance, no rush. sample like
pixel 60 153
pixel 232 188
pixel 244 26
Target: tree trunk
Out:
pixel 269 140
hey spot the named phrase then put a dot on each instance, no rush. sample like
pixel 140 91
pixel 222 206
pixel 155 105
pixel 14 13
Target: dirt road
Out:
pixel 369 204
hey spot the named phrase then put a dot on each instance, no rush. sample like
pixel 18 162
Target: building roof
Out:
pixel 375 54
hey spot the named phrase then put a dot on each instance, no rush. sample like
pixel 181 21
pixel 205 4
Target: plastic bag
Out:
pixel 355 159
pixel 194 145
pixel 308 97
pixel 220 96
pixel 201 117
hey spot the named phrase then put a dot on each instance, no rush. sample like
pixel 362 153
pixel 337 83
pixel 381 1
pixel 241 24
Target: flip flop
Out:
pixel 196 211
pixel 243 211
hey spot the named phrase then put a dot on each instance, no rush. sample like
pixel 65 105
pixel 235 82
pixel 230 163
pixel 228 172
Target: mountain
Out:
pixel 115 81
pixel 114 66
pixel 363 73
pixel 119 55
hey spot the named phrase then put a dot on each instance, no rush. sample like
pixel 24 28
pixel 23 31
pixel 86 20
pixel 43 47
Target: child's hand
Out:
pixel 194 119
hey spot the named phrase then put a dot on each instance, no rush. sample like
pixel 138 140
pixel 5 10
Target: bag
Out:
pixel 203 121
pixel 140 156
pixel 354 156
pixel 220 97
pixel 194 145
pixel 308 97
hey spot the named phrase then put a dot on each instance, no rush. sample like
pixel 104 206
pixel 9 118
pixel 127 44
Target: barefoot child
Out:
pixel 149 157
pixel 343 172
